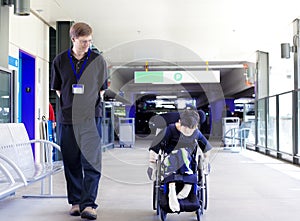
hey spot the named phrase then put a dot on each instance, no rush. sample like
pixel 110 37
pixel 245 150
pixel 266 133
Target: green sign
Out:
pixel 148 77
pixel 178 76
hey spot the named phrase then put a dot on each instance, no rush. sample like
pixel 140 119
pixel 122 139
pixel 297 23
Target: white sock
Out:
pixel 173 201
pixel 185 191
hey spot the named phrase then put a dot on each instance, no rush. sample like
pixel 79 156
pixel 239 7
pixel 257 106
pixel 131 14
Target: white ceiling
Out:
pixel 178 31
pixel 216 30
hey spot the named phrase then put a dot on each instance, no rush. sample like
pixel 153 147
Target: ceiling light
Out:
pixel 22 7
pixel 166 97
pixel 286 49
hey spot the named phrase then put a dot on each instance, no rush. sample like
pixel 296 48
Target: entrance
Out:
pixel 27 92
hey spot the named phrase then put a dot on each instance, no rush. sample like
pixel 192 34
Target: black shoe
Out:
pixel 89 213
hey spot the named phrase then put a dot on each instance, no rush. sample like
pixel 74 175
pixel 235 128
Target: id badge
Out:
pixel 78 89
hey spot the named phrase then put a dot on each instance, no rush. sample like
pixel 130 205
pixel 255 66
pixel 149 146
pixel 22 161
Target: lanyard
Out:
pixel 78 75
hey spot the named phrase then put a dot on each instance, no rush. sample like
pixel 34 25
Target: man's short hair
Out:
pixel 80 29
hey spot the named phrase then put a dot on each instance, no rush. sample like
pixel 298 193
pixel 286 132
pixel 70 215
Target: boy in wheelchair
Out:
pixel 178 142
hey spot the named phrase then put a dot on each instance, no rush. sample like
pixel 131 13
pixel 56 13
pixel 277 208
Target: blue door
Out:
pixel 27 92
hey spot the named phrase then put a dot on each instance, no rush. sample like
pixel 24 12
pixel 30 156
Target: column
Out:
pixel 296 43
pixel 4 35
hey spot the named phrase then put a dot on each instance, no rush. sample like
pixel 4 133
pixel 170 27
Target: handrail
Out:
pixel 238 134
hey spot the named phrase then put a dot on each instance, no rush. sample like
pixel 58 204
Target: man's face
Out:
pixel 82 43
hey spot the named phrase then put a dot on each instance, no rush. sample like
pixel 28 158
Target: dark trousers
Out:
pixel 82 156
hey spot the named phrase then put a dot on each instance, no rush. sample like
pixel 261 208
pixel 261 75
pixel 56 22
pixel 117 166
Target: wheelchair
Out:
pixel 197 199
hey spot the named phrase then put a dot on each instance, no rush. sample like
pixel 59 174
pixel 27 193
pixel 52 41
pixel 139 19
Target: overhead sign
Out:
pixel 176 77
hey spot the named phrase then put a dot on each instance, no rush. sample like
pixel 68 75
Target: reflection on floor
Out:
pixel 242 186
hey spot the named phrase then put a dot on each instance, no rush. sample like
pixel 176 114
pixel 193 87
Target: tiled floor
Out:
pixel 242 187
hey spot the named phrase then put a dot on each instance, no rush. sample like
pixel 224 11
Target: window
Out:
pixel 6 96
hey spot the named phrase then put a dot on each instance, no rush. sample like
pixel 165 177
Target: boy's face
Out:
pixel 187 131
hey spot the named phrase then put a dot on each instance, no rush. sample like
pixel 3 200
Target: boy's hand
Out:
pixel 206 165
pixel 151 171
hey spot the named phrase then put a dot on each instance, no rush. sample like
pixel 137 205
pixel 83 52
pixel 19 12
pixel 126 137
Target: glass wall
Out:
pixel 285 122
pixel 272 123
pixel 298 123
pixel 261 123
pixel 6 96
pixel 277 135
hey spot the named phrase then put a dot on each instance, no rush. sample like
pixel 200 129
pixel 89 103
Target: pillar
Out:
pixel 4 35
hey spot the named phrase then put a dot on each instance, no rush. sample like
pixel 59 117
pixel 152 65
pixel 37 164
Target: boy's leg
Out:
pixel 184 162
pixel 185 191
pixel 173 201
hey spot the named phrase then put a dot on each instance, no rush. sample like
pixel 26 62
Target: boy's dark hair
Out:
pixel 189 118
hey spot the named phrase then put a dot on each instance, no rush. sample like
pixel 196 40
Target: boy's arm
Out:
pixel 205 147
pixel 154 149
pixel 203 143
pixel 159 141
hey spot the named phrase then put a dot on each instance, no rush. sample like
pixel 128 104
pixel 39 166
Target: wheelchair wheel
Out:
pixel 156 186
pixel 154 197
pixel 201 194
pixel 202 187
pixel 202 191
pixel 205 200
pixel 163 215
pixel 201 198
pixel 198 214
pixel 158 209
